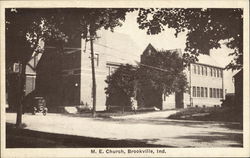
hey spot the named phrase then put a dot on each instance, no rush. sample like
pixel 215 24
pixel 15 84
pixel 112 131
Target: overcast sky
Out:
pixel 167 40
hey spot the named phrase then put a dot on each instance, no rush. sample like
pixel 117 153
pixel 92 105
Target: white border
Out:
pixel 171 152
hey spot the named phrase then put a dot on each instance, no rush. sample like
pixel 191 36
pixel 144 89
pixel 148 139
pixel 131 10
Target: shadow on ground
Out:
pixel 184 123
pixel 212 137
pixel 24 138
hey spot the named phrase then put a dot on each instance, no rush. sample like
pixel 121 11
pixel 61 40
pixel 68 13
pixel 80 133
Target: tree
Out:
pixel 121 86
pixel 25 30
pixel 206 28
pixel 159 73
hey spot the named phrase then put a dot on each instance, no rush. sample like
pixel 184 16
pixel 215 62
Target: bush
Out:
pixel 209 114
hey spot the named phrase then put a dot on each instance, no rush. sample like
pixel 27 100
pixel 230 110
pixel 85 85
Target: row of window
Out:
pixel 207 71
pixel 203 92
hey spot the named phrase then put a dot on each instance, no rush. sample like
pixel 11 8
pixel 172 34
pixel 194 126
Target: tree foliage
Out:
pixel 159 73
pixel 121 86
pixel 26 29
pixel 165 74
pixel 206 28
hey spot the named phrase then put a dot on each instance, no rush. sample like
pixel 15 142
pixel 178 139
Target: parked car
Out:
pixel 34 103
pixel 39 106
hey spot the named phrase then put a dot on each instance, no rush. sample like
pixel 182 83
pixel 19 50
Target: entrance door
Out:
pixel 179 100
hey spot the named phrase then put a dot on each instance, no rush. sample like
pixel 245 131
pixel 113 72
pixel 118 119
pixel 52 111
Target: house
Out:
pixel 205 81
pixel 12 87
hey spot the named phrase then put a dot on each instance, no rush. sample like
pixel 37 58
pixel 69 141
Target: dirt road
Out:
pixel 156 131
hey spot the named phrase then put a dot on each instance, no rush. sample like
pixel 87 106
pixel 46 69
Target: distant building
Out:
pixel 205 79
pixel 238 84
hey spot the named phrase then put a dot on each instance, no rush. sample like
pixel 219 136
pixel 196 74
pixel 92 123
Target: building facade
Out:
pixel 205 82
pixel 65 78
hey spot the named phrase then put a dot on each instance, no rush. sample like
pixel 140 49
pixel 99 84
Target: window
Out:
pixel 211 71
pixel 221 73
pixel 221 93
pixel 218 93
pixel 198 92
pixel 214 72
pixel 202 70
pixel 211 92
pixel 214 93
pixel 206 71
pixel 198 69
pixel 149 52
pixel 111 69
pixel 194 69
pixel 194 91
pixel 205 92
pixel 202 92
pixel 218 73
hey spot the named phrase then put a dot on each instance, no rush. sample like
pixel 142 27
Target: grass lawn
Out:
pixel 209 114
pixel 24 138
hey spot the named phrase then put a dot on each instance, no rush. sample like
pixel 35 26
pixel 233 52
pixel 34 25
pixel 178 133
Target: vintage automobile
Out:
pixel 39 106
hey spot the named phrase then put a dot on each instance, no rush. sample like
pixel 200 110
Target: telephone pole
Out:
pixel 93 72
pixel 19 69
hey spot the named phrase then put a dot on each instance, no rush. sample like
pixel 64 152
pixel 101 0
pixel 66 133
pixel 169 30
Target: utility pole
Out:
pixel 20 77
pixel 93 72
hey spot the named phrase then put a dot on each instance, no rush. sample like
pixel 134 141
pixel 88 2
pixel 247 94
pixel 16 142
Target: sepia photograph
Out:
pixel 124 81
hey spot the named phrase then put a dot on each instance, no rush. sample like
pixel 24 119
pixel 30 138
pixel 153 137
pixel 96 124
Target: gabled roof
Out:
pixel 239 73
pixel 150 46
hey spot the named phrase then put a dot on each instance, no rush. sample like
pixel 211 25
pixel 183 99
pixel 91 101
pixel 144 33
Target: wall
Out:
pixel 207 81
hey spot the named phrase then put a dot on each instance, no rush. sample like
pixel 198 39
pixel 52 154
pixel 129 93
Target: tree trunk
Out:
pixel 93 75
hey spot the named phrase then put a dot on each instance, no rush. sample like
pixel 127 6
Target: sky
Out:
pixel 167 40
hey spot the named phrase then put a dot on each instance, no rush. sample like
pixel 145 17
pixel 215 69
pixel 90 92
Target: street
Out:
pixel 154 131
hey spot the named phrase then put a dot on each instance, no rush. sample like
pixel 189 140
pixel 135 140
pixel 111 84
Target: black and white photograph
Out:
pixel 125 80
